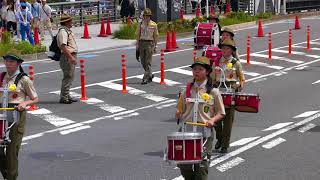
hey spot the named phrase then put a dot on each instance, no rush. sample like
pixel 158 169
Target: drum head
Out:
pixel 184 135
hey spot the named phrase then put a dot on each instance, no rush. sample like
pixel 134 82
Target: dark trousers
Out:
pixel 224 128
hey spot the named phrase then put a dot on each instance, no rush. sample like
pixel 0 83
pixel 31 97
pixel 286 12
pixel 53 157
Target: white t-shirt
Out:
pixel 44 10
pixel 11 16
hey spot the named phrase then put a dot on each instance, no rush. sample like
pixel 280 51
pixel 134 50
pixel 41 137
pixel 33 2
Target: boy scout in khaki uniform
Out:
pixel 233 73
pixel 147 38
pixel 209 113
pixel 227 33
pixel 68 60
pixel 17 98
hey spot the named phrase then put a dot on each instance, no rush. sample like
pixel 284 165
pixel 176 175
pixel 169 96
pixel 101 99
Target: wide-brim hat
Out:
pixel 65 18
pixel 202 61
pixel 229 43
pixel 228 30
pixel 147 12
pixel 13 57
pixel 23 4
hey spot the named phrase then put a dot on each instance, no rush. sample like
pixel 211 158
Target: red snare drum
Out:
pixel 185 147
pixel 214 54
pixel 2 129
pixel 247 102
pixel 227 99
pixel 206 34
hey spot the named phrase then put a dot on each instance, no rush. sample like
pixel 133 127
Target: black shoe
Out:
pixel 218 145
pixel 150 79
pixel 144 82
pixel 65 101
pixel 73 99
pixel 224 150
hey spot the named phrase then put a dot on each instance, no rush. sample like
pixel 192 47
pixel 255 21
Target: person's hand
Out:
pixel 22 106
pixel 178 114
pixel 210 123
pixel 73 60
pixel 240 87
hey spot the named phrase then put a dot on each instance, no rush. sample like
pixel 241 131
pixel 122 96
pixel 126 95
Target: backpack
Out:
pixel 54 50
pixel 16 81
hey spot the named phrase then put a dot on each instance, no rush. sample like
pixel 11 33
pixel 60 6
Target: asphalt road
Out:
pixel 116 136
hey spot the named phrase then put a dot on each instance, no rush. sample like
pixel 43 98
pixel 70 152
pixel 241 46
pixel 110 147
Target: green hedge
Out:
pixel 24 47
pixel 128 32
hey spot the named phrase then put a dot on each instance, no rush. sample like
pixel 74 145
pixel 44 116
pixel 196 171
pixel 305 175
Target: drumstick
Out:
pixel 196 124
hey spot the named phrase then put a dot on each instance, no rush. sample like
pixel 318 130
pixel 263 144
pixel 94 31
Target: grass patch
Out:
pixel 24 47
pixel 181 26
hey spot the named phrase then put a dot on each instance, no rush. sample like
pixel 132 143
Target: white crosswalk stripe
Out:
pixel 277 58
pixel 262 64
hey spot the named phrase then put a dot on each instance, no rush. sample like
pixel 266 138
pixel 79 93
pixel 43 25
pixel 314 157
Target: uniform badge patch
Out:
pixel 14 95
pixel 206 109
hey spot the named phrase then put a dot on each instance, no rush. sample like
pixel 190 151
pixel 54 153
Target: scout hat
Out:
pixel 12 56
pixel 65 18
pixel 203 61
pixel 228 30
pixel 228 42
pixel 147 12
pixel 212 16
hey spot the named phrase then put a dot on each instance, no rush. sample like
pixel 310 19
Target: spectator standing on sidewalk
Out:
pixel 124 12
pixel 24 17
pixel 45 19
pixel 68 60
pixel 3 14
pixel 11 20
pixel 35 10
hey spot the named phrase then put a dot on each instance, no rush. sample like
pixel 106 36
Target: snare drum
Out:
pixel 185 147
pixel 227 98
pixel 247 102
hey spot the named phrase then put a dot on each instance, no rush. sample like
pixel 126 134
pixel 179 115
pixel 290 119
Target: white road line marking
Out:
pixel 277 126
pixel 297 53
pixel 74 130
pixel 179 178
pixel 158 80
pixel 243 141
pixel 34 136
pixel 48 72
pixel 51 118
pixel 133 91
pixel 277 58
pixel 259 80
pixel 301 47
pixel 111 108
pixel 22 144
pixel 301 68
pixel 316 82
pixel 273 143
pixel 262 64
pixel 262 140
pixel 126 116
pixel 306 128
pixel 317 43
pixel 166 105
pixel 181 71
pixel 254 74
pixel 306 114
pixel 228 165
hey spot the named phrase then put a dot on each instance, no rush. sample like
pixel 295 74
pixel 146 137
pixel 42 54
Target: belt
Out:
pixel 146 40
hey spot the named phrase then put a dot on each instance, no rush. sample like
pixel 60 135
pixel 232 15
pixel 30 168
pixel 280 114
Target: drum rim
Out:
pixel 186 161
pixel 184 136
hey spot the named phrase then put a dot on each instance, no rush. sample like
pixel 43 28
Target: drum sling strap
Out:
pixel 16 81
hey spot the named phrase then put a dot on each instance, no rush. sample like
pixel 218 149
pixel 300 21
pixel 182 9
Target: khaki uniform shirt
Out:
pixel 67 37
pixel 232 74
pixel 24 89
pixel 206 111
pixel 147 32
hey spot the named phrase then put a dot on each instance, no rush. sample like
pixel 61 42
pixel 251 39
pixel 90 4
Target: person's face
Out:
pixel 199 73
pixel 147 18
pixel 43 2
pixel 69 24
pixel 226 51
pixel 226 35
pixel 11 65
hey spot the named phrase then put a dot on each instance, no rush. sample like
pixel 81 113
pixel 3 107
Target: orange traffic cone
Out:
pixel 108 27
pixel 260 30
pixel 86 32
pixel 36 36
pixel 297 23
pixel 198 11
pixel 168 43
pixel 174 44
pixel 211 10
pixel 228 8
pixel 102 30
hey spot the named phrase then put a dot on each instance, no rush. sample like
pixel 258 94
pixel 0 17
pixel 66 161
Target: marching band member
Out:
pixel 213 19
pixel 233 73
pixel 20 87
pixel 227 33
pixel 210 113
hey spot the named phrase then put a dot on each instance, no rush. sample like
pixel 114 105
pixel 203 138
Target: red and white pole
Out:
pixel 124 73
pixel 308 38
pixel 162 67
pixel 31 76
pixel 83 81
pixel 290 43
pixel 248 49
pixel 270 46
